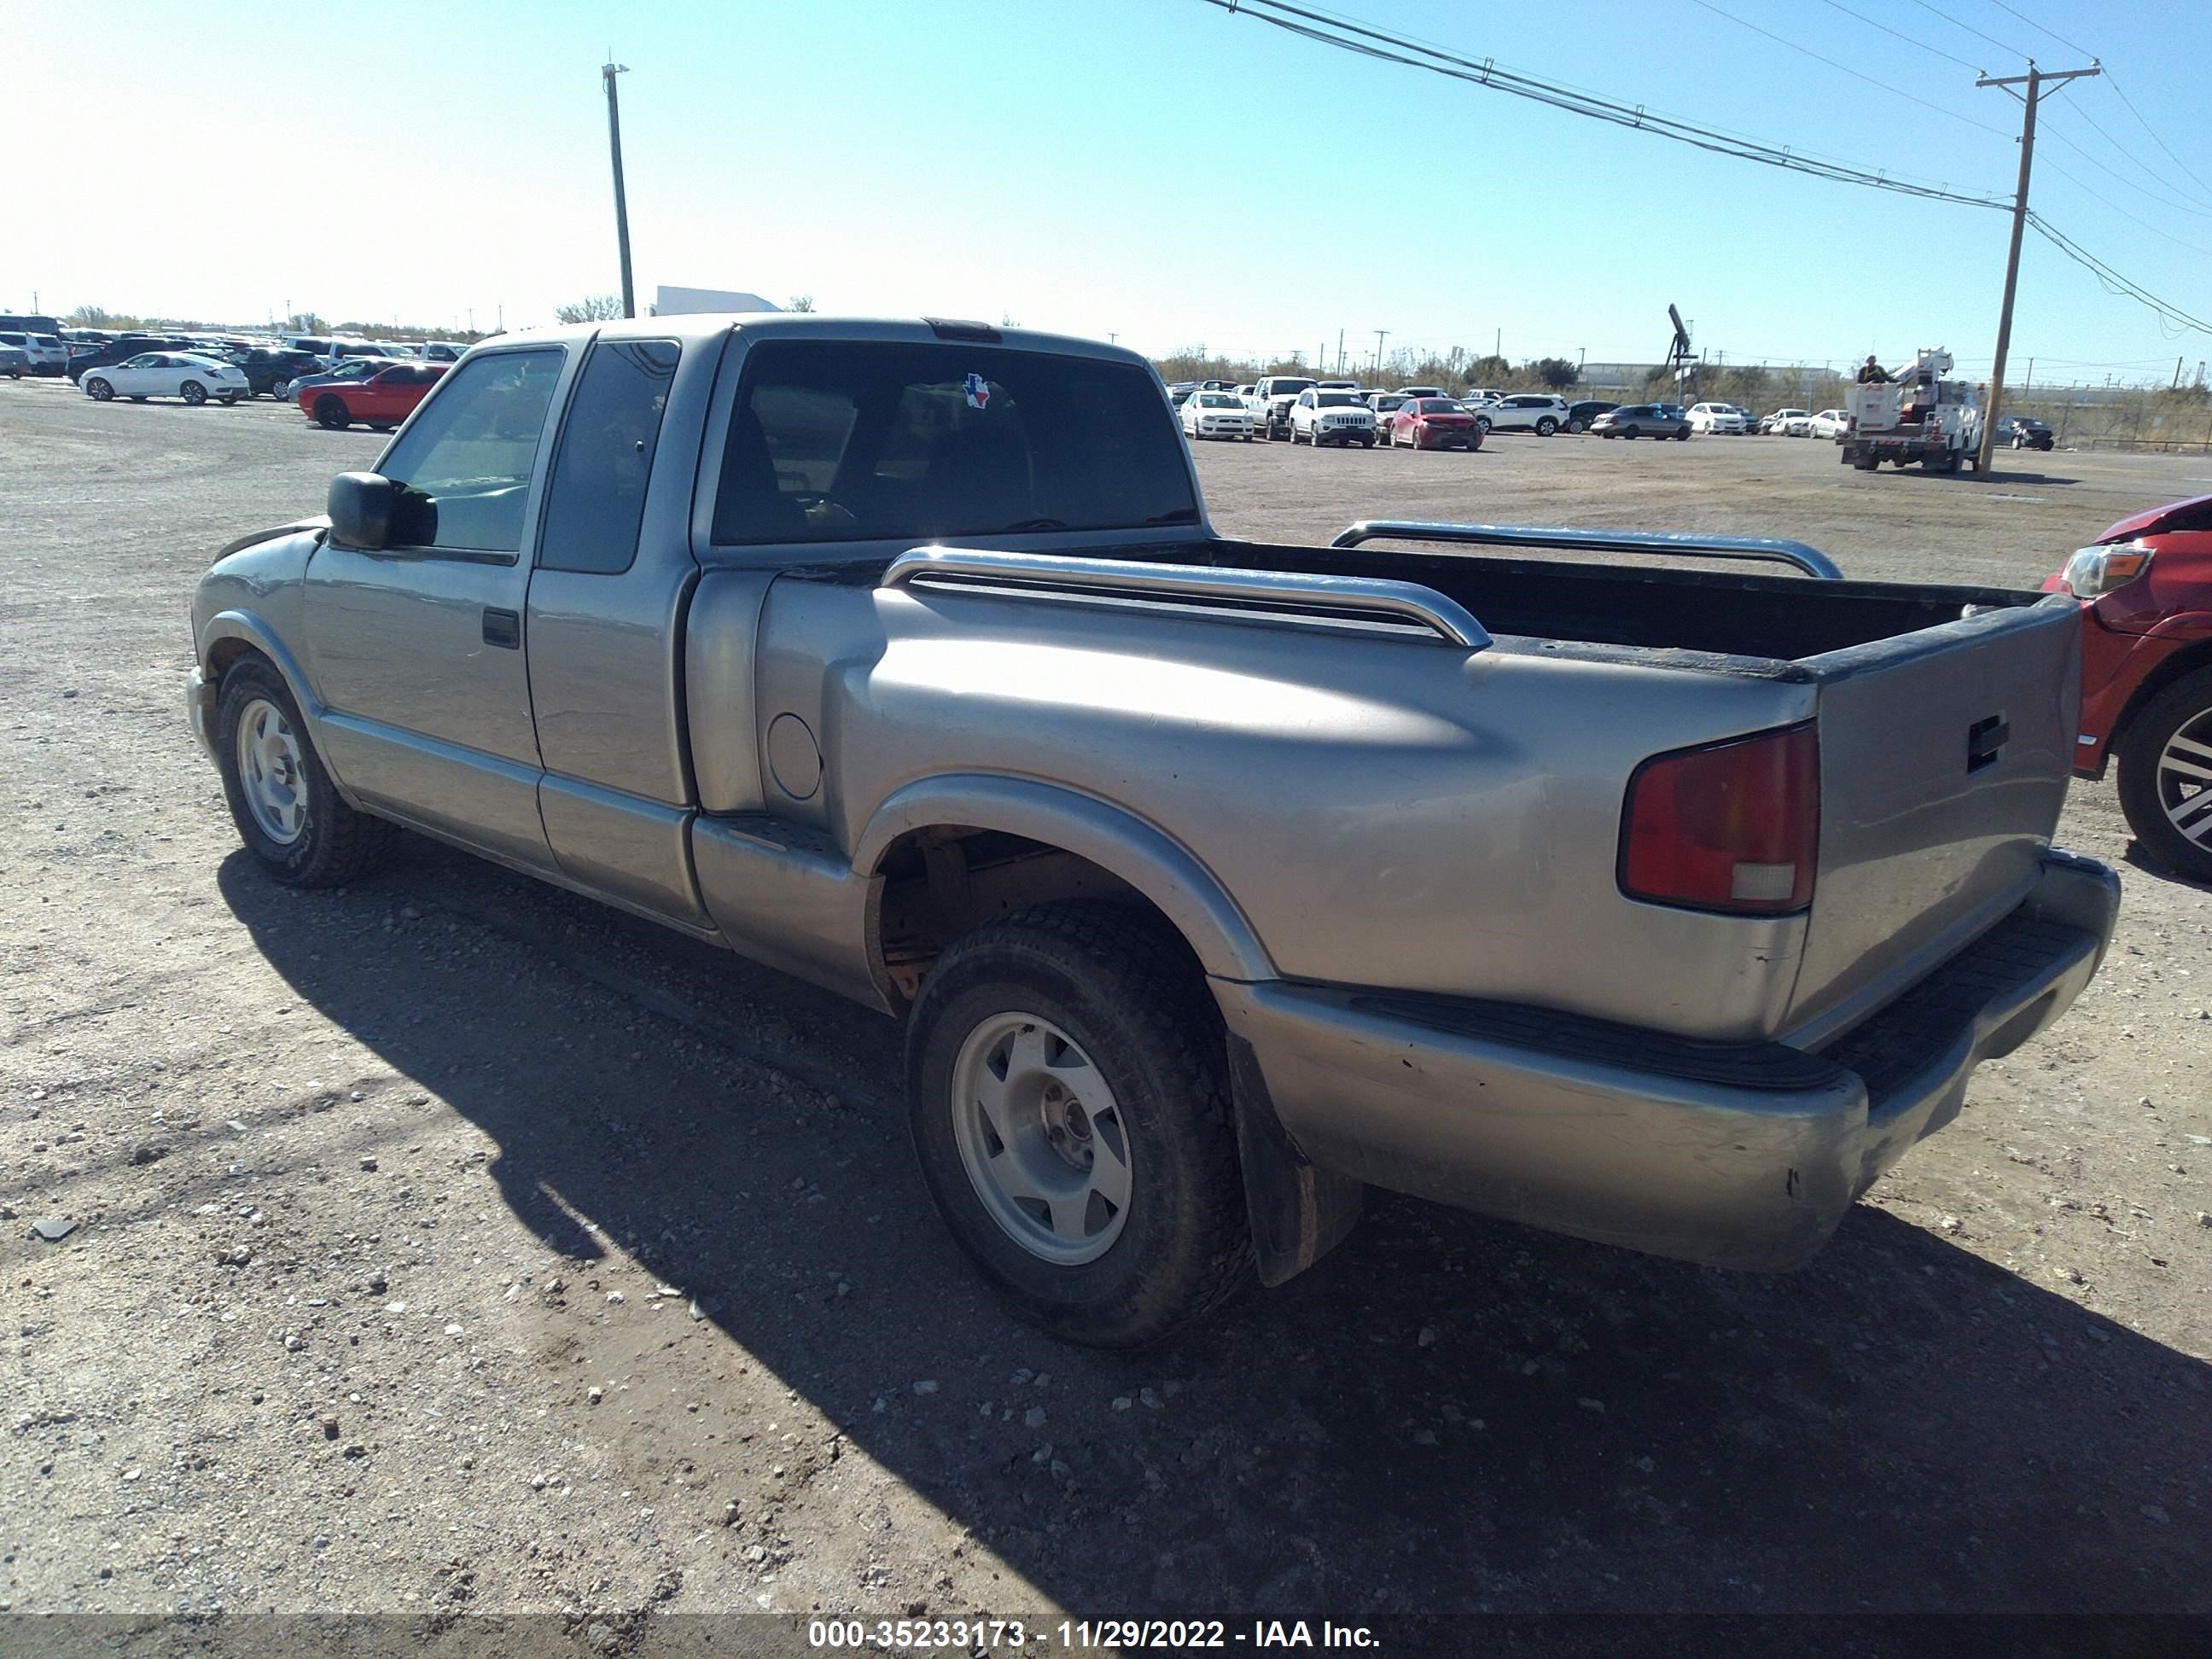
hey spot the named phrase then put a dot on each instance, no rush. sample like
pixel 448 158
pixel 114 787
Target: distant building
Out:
pixel 688 301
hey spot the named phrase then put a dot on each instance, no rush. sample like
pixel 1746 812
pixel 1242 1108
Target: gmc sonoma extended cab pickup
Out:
pixel 1214 881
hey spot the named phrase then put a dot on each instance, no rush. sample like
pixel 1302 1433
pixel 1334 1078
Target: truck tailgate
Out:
pixel 1944 759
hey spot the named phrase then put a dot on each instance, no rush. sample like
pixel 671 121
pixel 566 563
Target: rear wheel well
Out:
pixel 941 882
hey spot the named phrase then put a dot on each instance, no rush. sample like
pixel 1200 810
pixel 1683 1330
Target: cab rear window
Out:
pixel 860 440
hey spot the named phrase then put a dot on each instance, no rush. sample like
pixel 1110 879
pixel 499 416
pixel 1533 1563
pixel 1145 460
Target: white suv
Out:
pixel 1330 416
pixel 46 354
pixel 1523 412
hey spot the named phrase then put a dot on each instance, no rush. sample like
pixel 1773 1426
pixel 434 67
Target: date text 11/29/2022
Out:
pixel 973 1634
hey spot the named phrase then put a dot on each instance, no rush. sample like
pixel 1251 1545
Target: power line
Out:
pixel 1932 11
pixel 2124 213
pixel 2146 127
pixel 1909 41
pixel 2112 281
pixel 1819 58
pixel 1315 26
pixel 2148 172
pixel 2040 29
pixel 2174 204
pixel 1392 49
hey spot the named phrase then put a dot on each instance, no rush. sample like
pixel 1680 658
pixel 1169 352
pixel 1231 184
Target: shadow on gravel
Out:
pixel 2003 476
pixel 1448 1414
pixel 2139 857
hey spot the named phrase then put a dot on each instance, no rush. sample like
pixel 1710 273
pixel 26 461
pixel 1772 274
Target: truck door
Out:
pixel 607 605
pixel 417 650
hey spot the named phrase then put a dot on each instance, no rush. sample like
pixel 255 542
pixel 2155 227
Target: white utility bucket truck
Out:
pixel 1914 415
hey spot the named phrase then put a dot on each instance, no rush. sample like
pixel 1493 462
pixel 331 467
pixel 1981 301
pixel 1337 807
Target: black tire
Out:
pixel 192 392
pixel 1126 989
pixel 330 413
pixel 1367 442
pixel 335 845
pixel 1546 427
pixel 2156 725
pixel 227 400
pixel 379 426
pixel 1578 427
pixel 98 389
pixel 1682 436
pixel 1628 434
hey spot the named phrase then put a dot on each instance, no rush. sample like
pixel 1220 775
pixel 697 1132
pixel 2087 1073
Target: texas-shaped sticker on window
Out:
pixel 978 391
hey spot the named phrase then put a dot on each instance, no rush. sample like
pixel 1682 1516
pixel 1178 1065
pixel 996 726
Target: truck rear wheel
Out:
pixel 1067 1081
pixel 287 810
pixel 2166 775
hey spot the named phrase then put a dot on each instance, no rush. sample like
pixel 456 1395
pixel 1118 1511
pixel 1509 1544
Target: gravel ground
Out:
pixel 451 1243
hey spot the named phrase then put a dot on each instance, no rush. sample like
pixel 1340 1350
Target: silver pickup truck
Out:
pixel 1214 881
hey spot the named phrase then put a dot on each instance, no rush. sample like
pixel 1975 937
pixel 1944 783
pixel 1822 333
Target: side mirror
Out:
pixel 360 506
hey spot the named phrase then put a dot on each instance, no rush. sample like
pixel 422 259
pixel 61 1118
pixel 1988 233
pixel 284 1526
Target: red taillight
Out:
pixel 1732 826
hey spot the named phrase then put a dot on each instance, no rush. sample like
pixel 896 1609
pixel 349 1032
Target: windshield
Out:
pixel 1287 388
pixel 1440 406
pixel 1339 400
pixel 1218 400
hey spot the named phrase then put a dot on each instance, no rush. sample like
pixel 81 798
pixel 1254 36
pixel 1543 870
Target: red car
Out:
pixel 382 401
pixel 1435 423
pixel 2146 587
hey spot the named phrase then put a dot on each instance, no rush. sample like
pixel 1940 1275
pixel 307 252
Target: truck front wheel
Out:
pixel 2166 775
pixel 1066 1073
pixel 288 811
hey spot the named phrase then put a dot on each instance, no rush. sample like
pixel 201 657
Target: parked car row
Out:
pixel 271 365
pixel 378 392
pixel 1342 412
pixel 1802 424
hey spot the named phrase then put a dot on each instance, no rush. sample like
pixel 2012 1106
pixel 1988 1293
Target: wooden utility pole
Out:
pixel 608 71
pixel 2034 80
pixel 1379 334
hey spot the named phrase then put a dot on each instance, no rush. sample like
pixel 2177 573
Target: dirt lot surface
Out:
pixel 451 1243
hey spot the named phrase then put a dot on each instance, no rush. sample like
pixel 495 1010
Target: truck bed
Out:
pixel 1942 715
pixel 1724 613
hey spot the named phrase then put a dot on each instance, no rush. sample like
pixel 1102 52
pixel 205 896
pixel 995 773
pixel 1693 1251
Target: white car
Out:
pixel 1386 405
pixel 46 354
pixel 1324 416
pixel 1421 392
pixel 1787 423
pixel 1215 415
pixel 1828 424
pixel 167 375
pixel 1522 411
pixel 1718 417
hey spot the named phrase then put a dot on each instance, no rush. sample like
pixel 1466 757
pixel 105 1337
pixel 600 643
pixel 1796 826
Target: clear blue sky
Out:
pixel 1154 168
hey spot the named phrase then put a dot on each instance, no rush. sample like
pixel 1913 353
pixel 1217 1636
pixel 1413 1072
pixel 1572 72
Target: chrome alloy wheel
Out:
pixel 1041 1139
pixel 271 774
pixel 2185 778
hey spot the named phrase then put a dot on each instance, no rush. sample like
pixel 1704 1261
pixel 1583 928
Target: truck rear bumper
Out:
pixel 1735 1155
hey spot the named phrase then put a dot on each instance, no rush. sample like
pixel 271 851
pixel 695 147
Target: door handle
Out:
pixel 502 629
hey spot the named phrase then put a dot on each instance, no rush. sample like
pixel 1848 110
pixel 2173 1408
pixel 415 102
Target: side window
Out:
pixel 596 501
pixel 468 452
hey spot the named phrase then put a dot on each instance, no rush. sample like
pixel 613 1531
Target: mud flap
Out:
pixel 1298 1213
